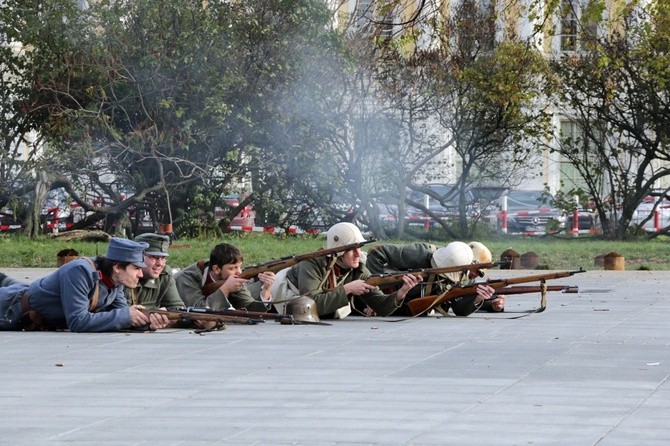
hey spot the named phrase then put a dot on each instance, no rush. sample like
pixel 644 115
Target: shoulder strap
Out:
pixel 329 274
pixel 96 291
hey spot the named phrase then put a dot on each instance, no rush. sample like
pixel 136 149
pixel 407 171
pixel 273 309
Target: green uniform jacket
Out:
pixel 389 258
pixel 308 275
pixel 190 283
pixel 395 258
pixel 156 293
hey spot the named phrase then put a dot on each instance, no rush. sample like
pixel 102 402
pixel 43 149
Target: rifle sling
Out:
pixel 329 275
pixel 374 318
pixel 96 291
pixel 429 285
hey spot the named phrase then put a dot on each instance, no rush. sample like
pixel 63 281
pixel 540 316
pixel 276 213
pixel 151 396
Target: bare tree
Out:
pixel 617 89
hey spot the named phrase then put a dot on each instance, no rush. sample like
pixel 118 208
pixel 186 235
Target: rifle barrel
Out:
pixel 525 289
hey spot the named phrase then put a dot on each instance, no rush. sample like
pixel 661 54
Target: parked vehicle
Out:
pixel 527 212
pixel 445 206
pixel 646 210
pixel 388 210
pixel 55 219
pixel 586 220
pixel 246 217
pixel 8 223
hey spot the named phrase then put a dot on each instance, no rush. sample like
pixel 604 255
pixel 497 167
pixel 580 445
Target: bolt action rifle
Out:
pixel 391 278
pixel 526 289
pixel 423 304
pixel 253 271
pixel 201 314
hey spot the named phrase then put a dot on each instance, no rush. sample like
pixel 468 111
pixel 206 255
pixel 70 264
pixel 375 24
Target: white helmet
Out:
pixel 454 254
pixel 482 255
pixel 481 252
pixel 342 234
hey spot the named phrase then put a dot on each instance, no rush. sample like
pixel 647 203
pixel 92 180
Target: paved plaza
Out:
pixel 590 370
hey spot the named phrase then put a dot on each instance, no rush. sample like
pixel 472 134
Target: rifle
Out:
pixel 423 304
pixel 274 266
pixel 526 289
pixel 201 314
pixel 285 319
pixel 391 278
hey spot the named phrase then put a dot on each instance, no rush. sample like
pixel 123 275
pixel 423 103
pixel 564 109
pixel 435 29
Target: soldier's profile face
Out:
pixel 350 259
pixel 128 276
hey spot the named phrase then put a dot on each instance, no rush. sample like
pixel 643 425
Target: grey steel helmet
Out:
pixel 303 309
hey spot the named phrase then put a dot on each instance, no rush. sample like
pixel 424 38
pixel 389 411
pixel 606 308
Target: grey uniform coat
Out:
pixel 189 285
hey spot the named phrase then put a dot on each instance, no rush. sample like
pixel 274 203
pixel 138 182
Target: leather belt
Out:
pixel 30 319
pixel 25 303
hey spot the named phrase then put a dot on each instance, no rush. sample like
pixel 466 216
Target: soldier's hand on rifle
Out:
pixel 358 287
pixel 153 320
pixel 137 318
pixel 267 278
pixel 484 292
pixel 158 321
pixel 498 303
pixel 409 282
pixel 233 284
pixel 168 322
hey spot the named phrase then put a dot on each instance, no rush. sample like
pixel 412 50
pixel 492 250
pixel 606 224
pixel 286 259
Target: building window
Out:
pixel 574 27
pixel 571 137
pixel 367 20
pixel 569 22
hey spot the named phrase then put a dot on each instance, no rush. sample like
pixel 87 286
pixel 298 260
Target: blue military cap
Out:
pixel 124 250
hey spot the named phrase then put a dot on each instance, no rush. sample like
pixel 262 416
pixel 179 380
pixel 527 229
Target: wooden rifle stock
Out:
pixel 391 278
pixel 274 266
pixel 423 304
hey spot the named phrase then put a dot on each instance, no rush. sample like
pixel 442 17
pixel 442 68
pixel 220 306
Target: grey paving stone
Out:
pixel 591 369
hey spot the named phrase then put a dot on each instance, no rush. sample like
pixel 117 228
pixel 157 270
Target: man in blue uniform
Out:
pixel 85 295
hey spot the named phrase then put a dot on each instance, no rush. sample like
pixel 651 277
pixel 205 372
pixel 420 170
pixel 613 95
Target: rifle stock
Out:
pixel 423 304
pixel 274 266
pixel 391 278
